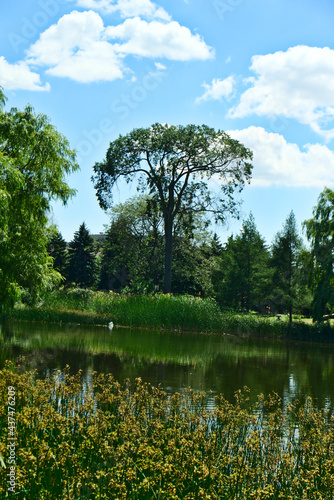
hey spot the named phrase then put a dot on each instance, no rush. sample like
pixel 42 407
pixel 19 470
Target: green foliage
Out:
pixel 320 233
pixel 132 248
pixel 192 262
pixel 34 160
pixel 171 164
pixel 119 253
pixel 81 258
pixel 153 311
pixel 77 441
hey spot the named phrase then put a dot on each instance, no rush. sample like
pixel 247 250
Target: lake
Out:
pixel 218 363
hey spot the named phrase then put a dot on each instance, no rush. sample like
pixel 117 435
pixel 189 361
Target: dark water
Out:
pixel 222 364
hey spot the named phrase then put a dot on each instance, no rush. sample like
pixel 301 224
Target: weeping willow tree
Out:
pixel 34 161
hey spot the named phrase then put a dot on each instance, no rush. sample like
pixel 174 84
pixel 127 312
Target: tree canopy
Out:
pixel 173 164
pixel 34 161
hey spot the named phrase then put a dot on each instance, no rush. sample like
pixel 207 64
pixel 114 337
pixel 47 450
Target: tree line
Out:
pixel 242 274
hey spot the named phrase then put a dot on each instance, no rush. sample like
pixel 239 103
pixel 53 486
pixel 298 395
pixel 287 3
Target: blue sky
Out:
pixel 262 70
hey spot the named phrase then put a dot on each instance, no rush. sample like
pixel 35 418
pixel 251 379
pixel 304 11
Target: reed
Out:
pixel 136 442
pixel 161 311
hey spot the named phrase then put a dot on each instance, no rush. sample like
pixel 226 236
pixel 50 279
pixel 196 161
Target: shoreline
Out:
pixel 236 325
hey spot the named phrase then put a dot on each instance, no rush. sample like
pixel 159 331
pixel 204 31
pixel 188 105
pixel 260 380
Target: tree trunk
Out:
pixel 168 255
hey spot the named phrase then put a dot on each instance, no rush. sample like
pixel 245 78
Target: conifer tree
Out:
pixel 242 277
pixel 81 266
pixel 286 249
pixel 57 249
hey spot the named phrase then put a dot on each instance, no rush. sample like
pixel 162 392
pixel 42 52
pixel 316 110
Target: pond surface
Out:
pixel 219 363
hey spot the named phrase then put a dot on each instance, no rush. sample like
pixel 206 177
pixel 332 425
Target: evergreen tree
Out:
pixel 81 265
pixel 119 257
pixel 216 247
pixel 57 249
pixel 286 249
pixel 242 276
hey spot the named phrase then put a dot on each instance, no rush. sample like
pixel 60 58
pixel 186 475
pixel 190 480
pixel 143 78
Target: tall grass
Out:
pixel 120 442
pixel 153 311
pixel 161 311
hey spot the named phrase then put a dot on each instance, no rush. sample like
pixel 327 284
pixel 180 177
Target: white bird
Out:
pixel 111 325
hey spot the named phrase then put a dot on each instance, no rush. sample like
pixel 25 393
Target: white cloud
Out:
pixel 75 48
pixel 297 84
pixel 217 90
pixel 156 39
pixel 160 66
pixel 277 162
pixel 80 47
pixel 19 77
pixel 126 8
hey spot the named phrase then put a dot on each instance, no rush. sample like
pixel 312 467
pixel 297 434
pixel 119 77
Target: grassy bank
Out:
pixel 115 441
pixel 184 313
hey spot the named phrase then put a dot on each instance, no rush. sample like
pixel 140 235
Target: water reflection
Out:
pixel 222 364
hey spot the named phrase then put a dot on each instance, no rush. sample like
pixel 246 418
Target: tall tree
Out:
pixel 81 262
pixel 286 249
pixel 34 161
pixel 320 233
pixel 171 164
pixel 242 277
